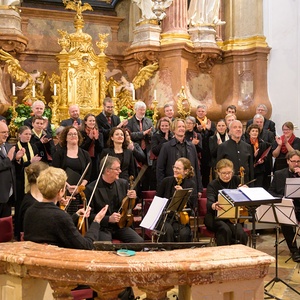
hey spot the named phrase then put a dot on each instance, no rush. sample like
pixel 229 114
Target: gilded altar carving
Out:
pixel 82 72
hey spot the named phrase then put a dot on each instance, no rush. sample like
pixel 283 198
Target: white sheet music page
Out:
pixel 256 193
pixel 154 212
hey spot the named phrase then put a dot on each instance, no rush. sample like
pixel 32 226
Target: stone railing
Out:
pixel 237 271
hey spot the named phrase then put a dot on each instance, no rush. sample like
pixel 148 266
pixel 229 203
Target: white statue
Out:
pixel 204 12
pixel 10 2
pixel 146 7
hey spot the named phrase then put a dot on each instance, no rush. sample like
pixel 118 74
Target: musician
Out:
pixel 74 160
pixel 45 222
pixel 175 231
pixel 277 189
pixel 111 190
pixel 238 151
pixel 226 232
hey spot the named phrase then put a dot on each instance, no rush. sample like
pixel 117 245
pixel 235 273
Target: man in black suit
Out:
pixel 175 148
pixel 74 119
pixel 111 190
pixel 238 151
pixel 268 124
pixel 38 108
pixel 268 137
pixel 277 189
pixel 141 129
pixel 7 171
pixel 106 120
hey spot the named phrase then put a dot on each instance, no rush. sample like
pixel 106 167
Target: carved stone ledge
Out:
pixel 153 272
pixel 206 60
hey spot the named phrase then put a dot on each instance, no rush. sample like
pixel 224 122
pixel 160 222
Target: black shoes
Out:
pixel 296 257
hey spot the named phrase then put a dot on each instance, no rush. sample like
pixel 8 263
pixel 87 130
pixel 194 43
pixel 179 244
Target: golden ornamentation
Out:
pixel 29 80
pixel 13 128
pixel 82 72
pixel 144 74
pixel 183 104
pixel 244 43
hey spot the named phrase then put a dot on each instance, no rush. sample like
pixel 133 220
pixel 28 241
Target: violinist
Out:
pixel 45 222
pixel 176 229
pixel 74 161
pixel 226 232
pixel 111 190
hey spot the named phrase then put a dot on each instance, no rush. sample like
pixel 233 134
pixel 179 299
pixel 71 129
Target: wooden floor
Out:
pixel 289 271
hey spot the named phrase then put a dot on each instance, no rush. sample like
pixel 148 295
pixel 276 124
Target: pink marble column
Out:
pixel 176 19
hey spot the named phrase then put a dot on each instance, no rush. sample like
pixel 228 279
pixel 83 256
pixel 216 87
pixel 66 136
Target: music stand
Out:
pixel 280 213
pixel 292 187
pixel 176 205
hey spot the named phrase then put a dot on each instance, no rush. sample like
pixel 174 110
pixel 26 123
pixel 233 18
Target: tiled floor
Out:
pixel 289 271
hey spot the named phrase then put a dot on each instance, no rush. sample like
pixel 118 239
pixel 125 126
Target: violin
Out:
pixel 127 206
pixel 126 219
pixel 183 215
pixel 84 227
pixel 242 209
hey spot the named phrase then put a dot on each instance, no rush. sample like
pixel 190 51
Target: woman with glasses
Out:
pixel 225 230
pixel 283 144
pixel 92 142
pixel 74 161
pixel 177 228
pixel 117 147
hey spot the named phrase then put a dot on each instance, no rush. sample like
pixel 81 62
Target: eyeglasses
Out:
pixel 295 161
pixel 116 169
pixel 4 132
pixel 109 107
pixel 226 173
pixel 176 168
pixel 72 134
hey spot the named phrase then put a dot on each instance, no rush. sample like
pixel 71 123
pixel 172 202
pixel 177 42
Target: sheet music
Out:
pixel 256 193
pixel 154 212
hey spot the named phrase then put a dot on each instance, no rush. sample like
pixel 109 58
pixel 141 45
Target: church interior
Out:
pixel 67 52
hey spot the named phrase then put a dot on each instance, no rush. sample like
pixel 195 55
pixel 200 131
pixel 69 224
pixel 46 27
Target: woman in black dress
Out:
pixel 117 147
pixel 177 228
pixel 74 161
pixel 92 142
pixel 226 231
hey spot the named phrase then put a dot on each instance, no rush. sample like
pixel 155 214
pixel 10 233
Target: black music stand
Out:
pixel 177 204
pixel 282 213
pixel 252 198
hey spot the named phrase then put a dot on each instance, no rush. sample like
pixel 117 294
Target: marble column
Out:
pixel 245 57
pixel 174 26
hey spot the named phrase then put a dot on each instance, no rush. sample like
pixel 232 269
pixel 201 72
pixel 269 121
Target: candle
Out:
pixel 114 91
pixel 14 89
pixel 154 96
pixel 133 94
pixel 33 91
pixel 54 89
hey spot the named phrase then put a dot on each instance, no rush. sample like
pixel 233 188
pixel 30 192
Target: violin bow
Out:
pixel 77 185
pixel 93 192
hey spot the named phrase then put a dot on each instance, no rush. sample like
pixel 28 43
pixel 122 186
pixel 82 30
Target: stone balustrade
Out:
pixel 232 272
